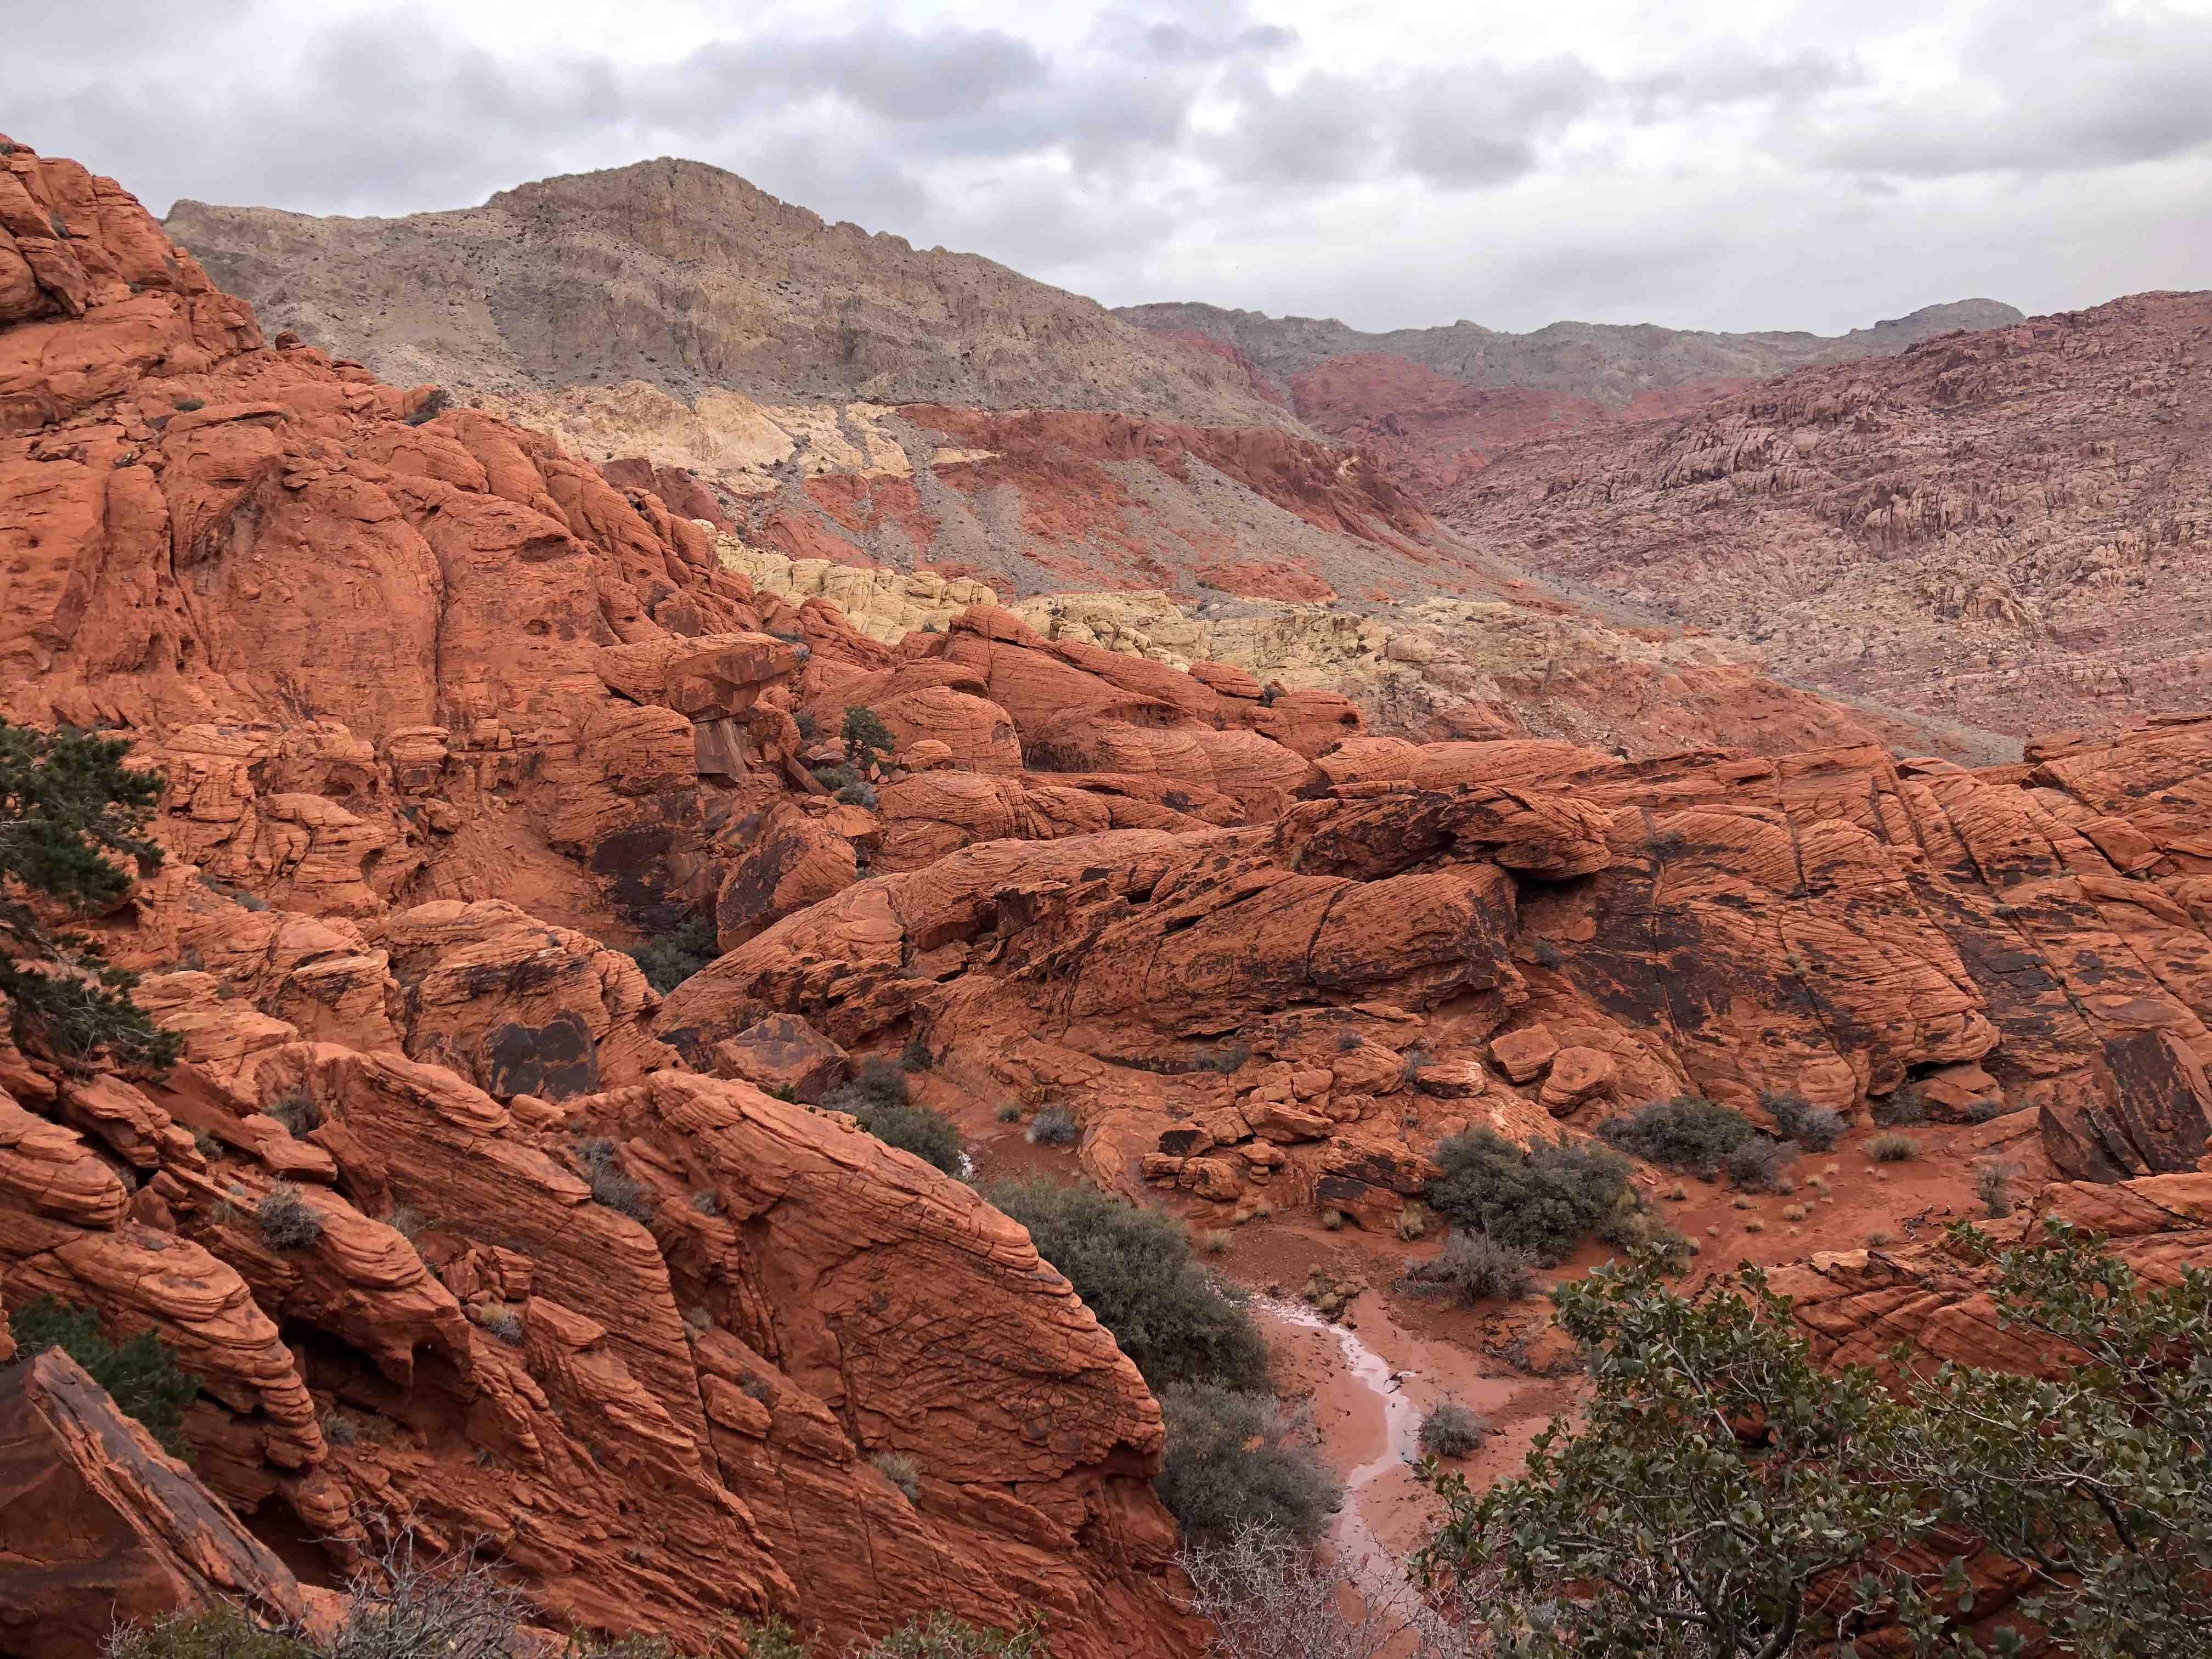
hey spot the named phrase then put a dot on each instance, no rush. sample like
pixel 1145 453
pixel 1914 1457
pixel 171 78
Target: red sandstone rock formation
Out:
pixel 97 1525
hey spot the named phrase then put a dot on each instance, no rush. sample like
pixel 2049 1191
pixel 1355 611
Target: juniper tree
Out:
pixel 73 840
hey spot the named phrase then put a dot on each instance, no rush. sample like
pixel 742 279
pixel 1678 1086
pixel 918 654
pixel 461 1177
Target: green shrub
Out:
pixel 809 729
pixel 1543 1201
pixel 140 1374
pixel 1473 1268
pixel 186 406
pixel 858 794
pixel 1761 1165
pixel 73 839
pixel 1891 1148
pixel 941 1635
pixel 1686 1132
pixel 838 776
pixel 1453 1431
pixel 431 407
pixel 1134 1269
pixel 2084 1489
pixel 298 1114
pixel 1813 1127
pixel 922 1130
pixel 669 958
pixel 1236 1456
pixel 868 741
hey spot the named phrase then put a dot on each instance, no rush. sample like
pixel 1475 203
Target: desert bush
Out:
pixel 611 1184
pixel 1987 1109
pixel 504 1323
pixel 140 1374
pixel 1453 1431
pixel 1543 1201
pixel 912 1127
pixel 1055 1125
pixel 669 958
pixel 1994 1187
pixel 287 1219
pixel 900 1471
pixel 867 739
pixel 298 1114
pixel 225 1632
pixel 431 407
pixel 942 1636
pixel 1903 1109
pixel 1227 1059
pixel 1134 1268
pixel 1686 1132
pixel 706 1202
pixel 1891 1148
pixel 1238 1455
pixel 1761 1165
pixel 874 1082
pixel 1269 1595
pixel 809 729
pixel 1009 1112
pixel 858 794
pixel 2090 1485
pixel 186 406
pixel 837 776
pixel 1473 1268
pixel 68 802
pixel 1332 1219
pixel 1815 1127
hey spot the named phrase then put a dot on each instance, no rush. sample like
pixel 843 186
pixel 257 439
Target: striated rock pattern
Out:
pixel 1551 931
pixel 97 1525
pixel 2005 528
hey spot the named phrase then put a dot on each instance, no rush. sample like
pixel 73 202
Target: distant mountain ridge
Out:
pixel 688 278
pixel 1609 363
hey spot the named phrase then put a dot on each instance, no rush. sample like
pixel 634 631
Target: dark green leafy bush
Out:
pixel 1544 1200
pixel 2085 1490
pixel 878 1097
pixel 669 958
pixel 140 1374
pixel 1238 1455
pixel 1134 1269
pixel 1686 1132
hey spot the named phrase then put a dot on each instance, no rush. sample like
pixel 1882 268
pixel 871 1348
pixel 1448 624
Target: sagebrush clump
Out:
pixel 1237 1455
pixel 1055 1125
pixel 1761 1165
pixel 1891 1149
pixel 611 1184
pixel 287 1219
pixel 668 959
pixel 1453 1431
pixel 1813 1127
pixel 1473 1268
pixel 1686 1132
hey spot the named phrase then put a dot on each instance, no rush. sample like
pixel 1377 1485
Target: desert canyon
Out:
pixel 1287 750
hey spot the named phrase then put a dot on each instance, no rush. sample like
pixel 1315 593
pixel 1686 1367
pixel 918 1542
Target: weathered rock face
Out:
pixel 1905 527
pixel 97 1526
pixel 1580 930
pixel 419 680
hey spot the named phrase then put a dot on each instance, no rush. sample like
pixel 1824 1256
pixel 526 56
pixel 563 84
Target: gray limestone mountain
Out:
pixel 688 279
pixel 1608 363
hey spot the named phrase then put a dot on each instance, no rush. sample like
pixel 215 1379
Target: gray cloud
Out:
pixel 1272 153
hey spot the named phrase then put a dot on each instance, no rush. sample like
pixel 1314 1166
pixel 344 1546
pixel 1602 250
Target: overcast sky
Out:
pixel 1804 163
